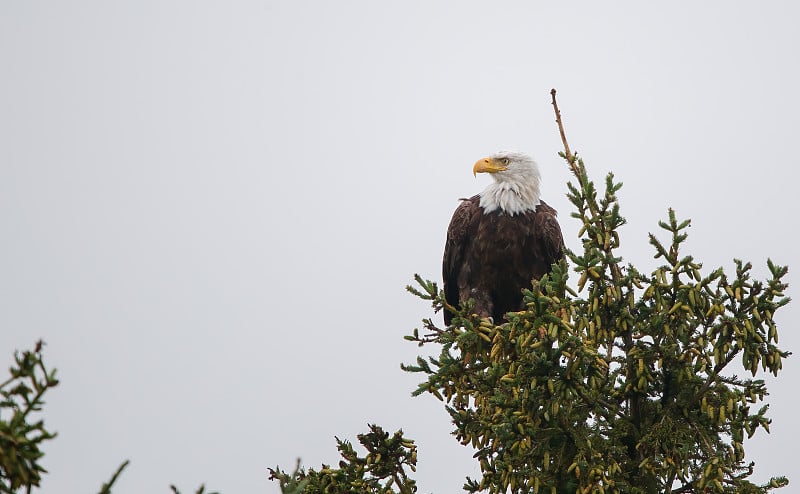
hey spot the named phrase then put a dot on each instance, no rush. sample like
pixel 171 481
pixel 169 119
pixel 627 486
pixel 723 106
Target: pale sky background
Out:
pixel 209 210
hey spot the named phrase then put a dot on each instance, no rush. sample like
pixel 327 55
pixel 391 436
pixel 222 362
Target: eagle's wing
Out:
pixel 549 232
pixel 459 237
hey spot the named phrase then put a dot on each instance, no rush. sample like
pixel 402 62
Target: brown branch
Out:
pixel 567 152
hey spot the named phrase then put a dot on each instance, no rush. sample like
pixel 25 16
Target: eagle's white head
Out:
pixel 516 182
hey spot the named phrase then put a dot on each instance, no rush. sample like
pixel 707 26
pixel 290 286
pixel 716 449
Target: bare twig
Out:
pixel 567 152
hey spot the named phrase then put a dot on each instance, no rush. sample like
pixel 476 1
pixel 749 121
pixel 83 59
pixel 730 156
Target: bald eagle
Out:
pixel 500 239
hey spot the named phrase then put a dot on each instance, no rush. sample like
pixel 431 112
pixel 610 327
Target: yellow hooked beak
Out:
pixel 488 165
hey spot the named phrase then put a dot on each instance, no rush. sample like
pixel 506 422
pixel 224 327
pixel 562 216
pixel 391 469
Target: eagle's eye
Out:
pixel 505 161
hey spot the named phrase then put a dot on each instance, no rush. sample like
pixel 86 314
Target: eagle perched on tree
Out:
pixel 501 239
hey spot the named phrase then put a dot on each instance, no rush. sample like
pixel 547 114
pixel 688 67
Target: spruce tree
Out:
pixel 617 382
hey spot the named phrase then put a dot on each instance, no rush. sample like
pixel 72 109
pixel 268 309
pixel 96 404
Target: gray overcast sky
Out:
pixel 209 210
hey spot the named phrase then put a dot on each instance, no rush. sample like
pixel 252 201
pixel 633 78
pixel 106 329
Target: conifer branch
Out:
pixel 106 487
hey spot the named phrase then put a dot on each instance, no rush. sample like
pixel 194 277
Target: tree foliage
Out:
pixel 380 470
pixel 623 382
pixel 21 432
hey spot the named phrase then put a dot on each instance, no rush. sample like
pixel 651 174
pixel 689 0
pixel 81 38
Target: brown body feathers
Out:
pixel 491 257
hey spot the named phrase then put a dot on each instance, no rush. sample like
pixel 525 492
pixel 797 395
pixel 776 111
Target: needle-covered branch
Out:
pixel 381 471
pixel 21 434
